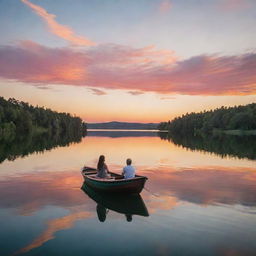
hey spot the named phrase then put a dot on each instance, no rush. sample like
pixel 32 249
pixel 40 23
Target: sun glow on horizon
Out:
pixel 116 105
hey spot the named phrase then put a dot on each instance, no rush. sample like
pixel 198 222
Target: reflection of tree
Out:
pixel 25 129
pixel 223 145
pixel 39 143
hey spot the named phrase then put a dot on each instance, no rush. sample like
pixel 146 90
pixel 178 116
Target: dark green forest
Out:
pixel 19 120
pixel 220 120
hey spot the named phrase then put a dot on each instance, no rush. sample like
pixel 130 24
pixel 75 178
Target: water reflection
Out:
pixel 205 185
pixel 128 205
pixel 52 227
pixel 28 194
pixel 199 203
pixel 223 145
pixel 30 144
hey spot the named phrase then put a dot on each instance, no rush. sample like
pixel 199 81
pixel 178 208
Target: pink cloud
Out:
pixel 34 63
pixel 119 55
pixel 168 98
pixel 135 92
pixel 58 29
pixel 97 91
pixel 145 69
pixel 165 6
pixel 231 5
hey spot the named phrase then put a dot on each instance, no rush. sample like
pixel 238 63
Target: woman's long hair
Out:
pixel 101 162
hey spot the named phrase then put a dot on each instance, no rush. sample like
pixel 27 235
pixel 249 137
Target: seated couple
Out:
pixel 103 171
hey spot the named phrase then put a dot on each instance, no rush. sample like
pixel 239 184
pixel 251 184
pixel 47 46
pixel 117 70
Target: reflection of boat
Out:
pixel 121 203
pixel 113 184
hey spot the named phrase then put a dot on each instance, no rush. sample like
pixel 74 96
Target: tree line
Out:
pixel 207 122
pixel 19 120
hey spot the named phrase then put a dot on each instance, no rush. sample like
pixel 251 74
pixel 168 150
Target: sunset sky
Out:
pixel 128 60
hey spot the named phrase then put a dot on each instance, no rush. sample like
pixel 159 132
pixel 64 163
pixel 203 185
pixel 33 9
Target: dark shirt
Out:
pixel 102 172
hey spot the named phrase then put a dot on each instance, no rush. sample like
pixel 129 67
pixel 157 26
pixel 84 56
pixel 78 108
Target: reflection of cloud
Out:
pixel 160 202
pixel 53 226
pixel 37 190
pixel 118 67
pixel 56 28
pixel 206 185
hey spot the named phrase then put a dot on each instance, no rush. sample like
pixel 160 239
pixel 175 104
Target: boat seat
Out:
pixel 106 179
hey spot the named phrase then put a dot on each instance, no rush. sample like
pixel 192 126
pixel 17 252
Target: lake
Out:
pixel 195 202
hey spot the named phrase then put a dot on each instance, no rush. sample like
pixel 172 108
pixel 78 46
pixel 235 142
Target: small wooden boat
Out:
pixel 129 204
pixel 114 184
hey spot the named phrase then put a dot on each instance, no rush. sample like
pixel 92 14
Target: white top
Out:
pixel 129 172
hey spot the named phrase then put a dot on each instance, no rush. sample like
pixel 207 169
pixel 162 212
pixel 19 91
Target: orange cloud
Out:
pixel 58 29
pixel 145 69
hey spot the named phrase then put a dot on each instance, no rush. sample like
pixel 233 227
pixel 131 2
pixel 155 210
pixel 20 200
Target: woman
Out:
pixel 102 169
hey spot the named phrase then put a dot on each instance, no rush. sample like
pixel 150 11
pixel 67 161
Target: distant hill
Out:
pixel 121 133
pixel 123 125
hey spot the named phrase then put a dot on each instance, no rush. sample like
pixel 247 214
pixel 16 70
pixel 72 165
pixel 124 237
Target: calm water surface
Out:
pixel 198 203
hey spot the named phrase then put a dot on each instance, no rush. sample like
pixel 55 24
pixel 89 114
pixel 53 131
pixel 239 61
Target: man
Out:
pixel 128 170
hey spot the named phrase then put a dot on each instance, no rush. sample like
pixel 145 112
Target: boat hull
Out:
pixel 131 186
